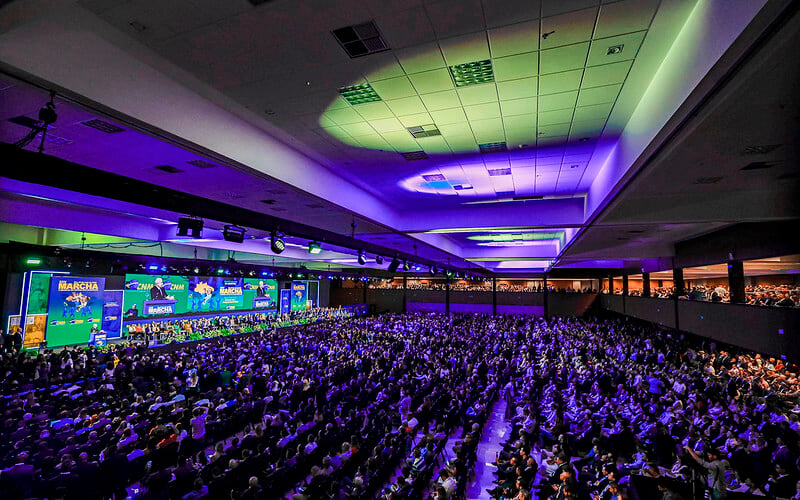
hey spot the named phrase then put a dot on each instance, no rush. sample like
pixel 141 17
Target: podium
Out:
pixel 157 307
pixel 262 303
pixel 99 339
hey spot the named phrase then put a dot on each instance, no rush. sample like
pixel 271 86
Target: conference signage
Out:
pixel 112 313
pixel 299 295
pixel 75 305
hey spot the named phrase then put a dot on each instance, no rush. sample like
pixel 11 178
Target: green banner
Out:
pixel 75 305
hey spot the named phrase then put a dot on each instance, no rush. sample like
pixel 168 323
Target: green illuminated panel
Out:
pixel 472 73
pixel 359 94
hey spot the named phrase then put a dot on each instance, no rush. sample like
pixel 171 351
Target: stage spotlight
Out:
pixel 314 247
pixel 394 265
pixel 406 265
pixel 362 259
pixel 188 226
pixel 433 270
pixel 378 260
pixel 234 234
pixel 276 243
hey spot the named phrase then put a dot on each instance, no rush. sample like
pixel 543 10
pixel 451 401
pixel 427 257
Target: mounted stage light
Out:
pixel 362 259
pixel 276 243
pixel 432 270
pixel 378 260
pixel 406 265
pixel 314 247
pixel 394 265
pixel 188 226
pixel 234 234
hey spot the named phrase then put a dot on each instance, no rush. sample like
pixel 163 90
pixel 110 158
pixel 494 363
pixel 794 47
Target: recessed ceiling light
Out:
pixel 415 155
pixel 103 126
pixel 496 172
pixel 433 177
pixel 359 94
pixel 421 131
pixel 493 147
pixel 361 39
pixel 472 73
pixel 614 49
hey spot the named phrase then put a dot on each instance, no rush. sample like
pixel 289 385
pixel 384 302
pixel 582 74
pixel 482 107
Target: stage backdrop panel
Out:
pixel 112 313
pixel 299 295
pixel 260 294
pixel 74 305
pixel 172 297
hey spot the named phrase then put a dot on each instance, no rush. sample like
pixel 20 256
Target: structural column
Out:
pixel 365 290
pixel 624 285
pixel 545 300
pixel 447 296
pixel 405 287
pixel 677 281
pixel 736 282
pixel 611 285
pixel 494 296
pixel 645 284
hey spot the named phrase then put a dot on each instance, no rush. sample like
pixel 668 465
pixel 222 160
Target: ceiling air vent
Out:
pixel 361 39
pixel 268 202
pixel 760 150
pixel 103 126
pixel 422 131
pixel 433 177
pixel 415 155
pixel 759 165
pixel 493 147
pixel 472 73
pixel 527 198
pixel 707 180
pixel 496 172
pixel 168 169
pixel 202 164
pixel 359 94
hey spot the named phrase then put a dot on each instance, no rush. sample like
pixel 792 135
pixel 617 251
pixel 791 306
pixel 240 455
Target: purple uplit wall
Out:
pixel 471 308
pixel 528 310
pixel 426 307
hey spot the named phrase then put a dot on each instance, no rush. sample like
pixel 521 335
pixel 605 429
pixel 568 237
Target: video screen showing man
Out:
pixel 133 312
pixel 158 292
pixel 261 291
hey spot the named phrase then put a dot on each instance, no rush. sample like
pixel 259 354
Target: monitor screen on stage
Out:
pixel 75 304
pixel 165 295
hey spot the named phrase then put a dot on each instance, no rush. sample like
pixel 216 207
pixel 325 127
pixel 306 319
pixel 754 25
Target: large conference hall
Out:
pixel 399 249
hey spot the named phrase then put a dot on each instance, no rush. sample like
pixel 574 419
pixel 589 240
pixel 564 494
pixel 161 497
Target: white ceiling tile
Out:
pixel 455 17
pixel 432 81
pixel 514 39
pixel 465 48
pixel 441 100
pixel 516 89
pixel 503 12
pixel 598 95
pixel 406 106
pixel 515 67
pixel 394 88
pixel 513 107
pixel 608 74
pixel 477 94
pixel 566 58
pixel 482 111
pixel 560 82
pixel 561 100
pixel 552 8
pixel 624 17
pixel 420 58
pixel 569 28
pixel 405 28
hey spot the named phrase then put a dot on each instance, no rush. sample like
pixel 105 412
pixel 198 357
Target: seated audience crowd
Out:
pixel 347 400
pixel 608 409
pixel 760 295
pixel 362 407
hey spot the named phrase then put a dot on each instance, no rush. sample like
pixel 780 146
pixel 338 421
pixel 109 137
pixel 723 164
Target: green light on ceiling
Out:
pixel 359 94
pixel 538 236
pixel 472 73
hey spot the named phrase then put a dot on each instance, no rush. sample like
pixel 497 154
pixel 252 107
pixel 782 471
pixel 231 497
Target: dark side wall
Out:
pixel 769 330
